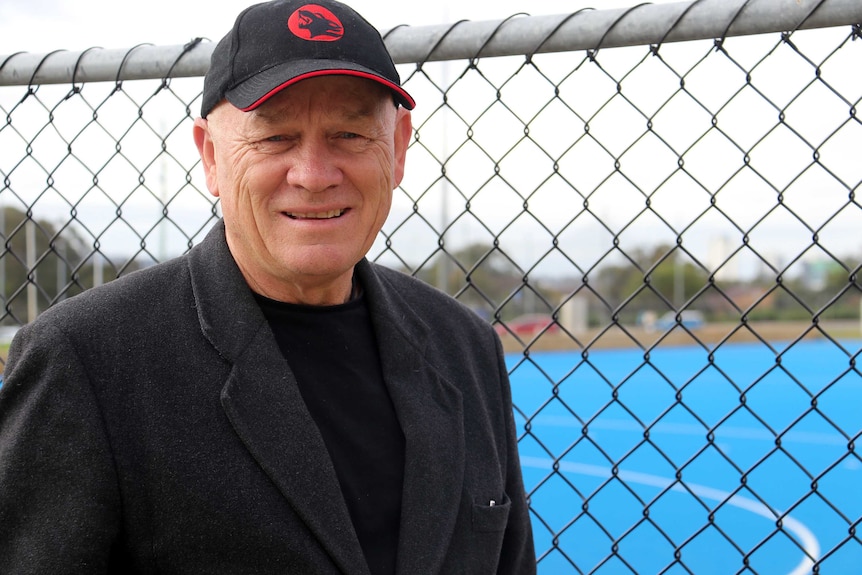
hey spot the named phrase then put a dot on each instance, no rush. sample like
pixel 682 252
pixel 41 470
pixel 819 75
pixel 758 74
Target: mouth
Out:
pixel 328 215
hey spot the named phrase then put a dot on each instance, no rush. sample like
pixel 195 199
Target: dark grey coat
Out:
pixel 152 426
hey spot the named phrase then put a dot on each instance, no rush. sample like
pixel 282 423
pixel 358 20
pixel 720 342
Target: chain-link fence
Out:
pixel 612 189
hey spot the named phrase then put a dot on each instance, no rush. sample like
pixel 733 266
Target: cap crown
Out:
pixel 276 44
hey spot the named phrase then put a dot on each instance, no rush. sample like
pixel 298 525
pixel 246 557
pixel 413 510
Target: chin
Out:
pixel 320 263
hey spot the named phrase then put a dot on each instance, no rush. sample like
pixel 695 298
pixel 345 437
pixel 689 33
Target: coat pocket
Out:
pixel 488 517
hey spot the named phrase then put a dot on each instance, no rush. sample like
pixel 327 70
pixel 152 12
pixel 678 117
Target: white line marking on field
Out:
pixel 804 535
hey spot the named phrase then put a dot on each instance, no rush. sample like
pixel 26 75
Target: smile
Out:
pixel 315 215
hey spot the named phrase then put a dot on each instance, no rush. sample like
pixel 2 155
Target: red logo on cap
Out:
pixel 313 22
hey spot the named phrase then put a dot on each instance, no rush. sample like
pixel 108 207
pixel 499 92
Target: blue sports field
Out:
pixel 741 460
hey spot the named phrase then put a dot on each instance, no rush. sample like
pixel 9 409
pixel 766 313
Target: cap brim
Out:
pixel 253 92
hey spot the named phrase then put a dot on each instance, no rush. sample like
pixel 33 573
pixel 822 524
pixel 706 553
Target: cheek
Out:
pixel 241 189
pixel 378 192
pixel 383 192
pixel 383 170
pixel 381 212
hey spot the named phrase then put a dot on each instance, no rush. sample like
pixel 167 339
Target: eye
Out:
pixel 350 141
pixel 275 142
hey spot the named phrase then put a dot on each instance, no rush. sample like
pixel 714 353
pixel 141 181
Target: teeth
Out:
pixel 316 215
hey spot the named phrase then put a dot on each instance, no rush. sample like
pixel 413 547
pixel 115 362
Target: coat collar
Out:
pixel 263 403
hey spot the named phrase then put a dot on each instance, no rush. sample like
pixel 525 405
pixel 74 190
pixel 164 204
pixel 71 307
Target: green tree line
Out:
pixel 41 264
pixel 655 279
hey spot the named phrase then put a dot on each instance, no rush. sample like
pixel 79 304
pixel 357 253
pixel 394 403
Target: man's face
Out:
pixel 305 182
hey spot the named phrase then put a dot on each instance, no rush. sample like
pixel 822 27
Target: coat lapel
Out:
pixel 270 417
pixel 263 402
pixel 431 415
pixel 264 405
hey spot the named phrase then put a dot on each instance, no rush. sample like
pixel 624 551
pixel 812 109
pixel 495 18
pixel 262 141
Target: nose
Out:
pixel 313 167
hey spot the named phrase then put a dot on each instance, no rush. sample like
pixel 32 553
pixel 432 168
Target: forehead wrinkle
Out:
pixel 359 104
pixel 271 115
pixel 289 109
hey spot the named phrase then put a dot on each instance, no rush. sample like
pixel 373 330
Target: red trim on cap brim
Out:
pixel 407 100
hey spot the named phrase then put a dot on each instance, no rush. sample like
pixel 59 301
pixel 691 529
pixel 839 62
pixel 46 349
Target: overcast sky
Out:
pixel 45 25
pixel 41 26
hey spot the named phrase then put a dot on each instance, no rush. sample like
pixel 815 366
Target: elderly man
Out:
pixel 271 402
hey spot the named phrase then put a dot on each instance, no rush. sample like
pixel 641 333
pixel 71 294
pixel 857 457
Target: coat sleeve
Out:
pixel 518 556
pixel 59 500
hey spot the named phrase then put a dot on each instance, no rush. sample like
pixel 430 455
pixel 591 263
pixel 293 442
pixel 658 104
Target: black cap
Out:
pixel 276 44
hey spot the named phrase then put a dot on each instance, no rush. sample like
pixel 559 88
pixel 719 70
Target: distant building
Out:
pixel 815 273
pixel 719 259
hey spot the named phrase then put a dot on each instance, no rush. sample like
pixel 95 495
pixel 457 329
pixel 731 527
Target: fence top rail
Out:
pixel 588 29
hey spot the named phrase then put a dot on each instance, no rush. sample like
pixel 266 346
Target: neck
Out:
pixel 335 293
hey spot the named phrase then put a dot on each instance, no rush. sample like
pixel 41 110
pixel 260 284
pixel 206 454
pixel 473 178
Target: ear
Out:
pixel 206 149
pixel 403 133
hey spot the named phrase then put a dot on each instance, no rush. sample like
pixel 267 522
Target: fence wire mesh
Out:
pixel 636 200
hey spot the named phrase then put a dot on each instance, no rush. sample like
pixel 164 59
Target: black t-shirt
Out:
pixel 333 353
